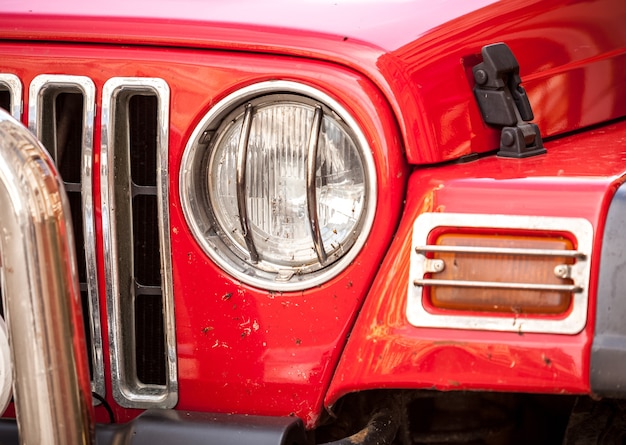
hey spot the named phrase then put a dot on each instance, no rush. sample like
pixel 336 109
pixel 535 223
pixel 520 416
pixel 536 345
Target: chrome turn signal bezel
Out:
pixel 572 322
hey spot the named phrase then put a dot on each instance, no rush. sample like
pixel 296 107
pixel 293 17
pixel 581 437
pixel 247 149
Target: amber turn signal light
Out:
pixel 500 273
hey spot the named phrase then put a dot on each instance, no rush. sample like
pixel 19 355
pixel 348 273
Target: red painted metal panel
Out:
pixel 571 56
pixel 383 24
pixel 407 83
pixel 576 178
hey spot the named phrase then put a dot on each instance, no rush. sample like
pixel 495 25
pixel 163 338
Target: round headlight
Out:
pixel 278 186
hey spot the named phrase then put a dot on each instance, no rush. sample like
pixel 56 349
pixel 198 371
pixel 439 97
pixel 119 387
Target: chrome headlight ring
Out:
pixel 278 186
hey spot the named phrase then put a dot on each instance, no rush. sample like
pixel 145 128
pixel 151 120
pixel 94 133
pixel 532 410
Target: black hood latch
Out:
pixel 503 102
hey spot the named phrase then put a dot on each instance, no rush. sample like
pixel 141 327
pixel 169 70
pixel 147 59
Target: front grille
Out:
pixel 135 220
pixel 61 114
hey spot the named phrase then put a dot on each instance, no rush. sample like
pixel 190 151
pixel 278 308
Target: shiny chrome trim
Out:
pixel 39 87
pixel 195 210
pixel 41 295
pixel 311 196
pixel 572 323
pixel 14 85
pixel 127 390
pixel 498 285
pixel 242 154
pixel 501 251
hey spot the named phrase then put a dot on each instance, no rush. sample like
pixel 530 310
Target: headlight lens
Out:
pixel 258 203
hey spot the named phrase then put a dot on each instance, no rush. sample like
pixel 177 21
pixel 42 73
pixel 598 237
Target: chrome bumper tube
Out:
pixel 41 296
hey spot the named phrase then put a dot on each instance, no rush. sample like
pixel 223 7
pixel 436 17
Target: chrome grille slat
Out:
pixel 124 292
pixel 41 113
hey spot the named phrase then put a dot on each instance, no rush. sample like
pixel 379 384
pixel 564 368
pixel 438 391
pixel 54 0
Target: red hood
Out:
pixel 384 24
pixel 572 53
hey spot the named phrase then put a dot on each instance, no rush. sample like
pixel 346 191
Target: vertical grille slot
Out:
pixel 5 99
pixel 136 241
pixel 146 241
pixel 11 94
pixel 149 337
pixel 61 114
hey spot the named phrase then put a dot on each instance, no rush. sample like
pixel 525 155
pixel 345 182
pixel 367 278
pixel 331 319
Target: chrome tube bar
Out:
pixel 311 196
pixel 500 251
pixel 42 299
pixel 242 153
pixel 499 285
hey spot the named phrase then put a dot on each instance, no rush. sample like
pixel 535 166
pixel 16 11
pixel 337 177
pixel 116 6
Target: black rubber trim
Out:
pixel 608 352
pixel 169 427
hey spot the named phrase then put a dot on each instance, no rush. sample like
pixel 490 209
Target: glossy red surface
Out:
pixel 571 56
pixel 576 178
pixel 402 69
pixel 385 24
pixel 241 349
pixel 419 53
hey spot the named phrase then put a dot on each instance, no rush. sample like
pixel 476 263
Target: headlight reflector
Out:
pixel 278 185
